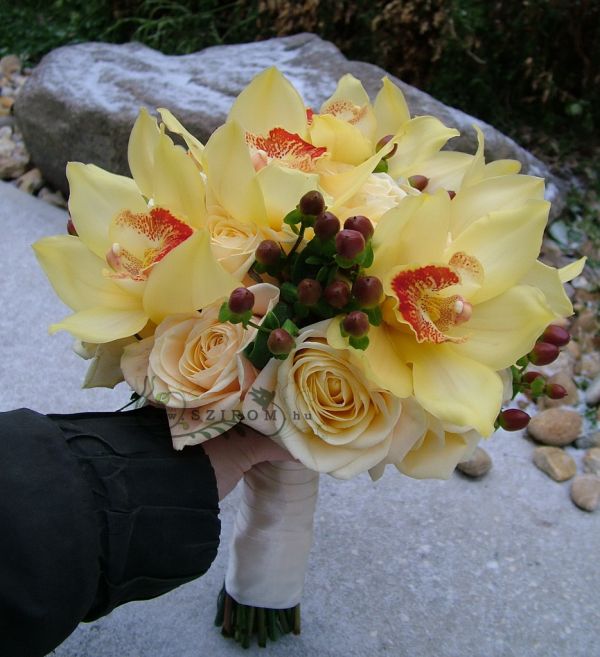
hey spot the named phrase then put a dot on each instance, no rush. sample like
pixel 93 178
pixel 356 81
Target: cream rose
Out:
pixel 378 195
pixel 323 409
pixel 195 363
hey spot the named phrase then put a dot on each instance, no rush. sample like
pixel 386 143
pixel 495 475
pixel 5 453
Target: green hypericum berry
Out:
pixel 312 203
pixel 241 300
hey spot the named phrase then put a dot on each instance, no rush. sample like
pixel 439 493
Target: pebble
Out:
pixel 555 426
pixel 478 465
pixel 30 182
pixel 14 158
pixel 55 198
pixel 555 462
pixel 588 441
pixel 585 492
pixel 589 365
pixel 585 322
pixel 592 394
pixel 10 64
pixel 564 380
pixel 591 461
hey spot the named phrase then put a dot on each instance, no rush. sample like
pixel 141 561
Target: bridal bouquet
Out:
pixel 332 279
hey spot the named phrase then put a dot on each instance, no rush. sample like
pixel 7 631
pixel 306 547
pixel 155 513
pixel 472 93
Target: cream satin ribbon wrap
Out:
pixel 272 535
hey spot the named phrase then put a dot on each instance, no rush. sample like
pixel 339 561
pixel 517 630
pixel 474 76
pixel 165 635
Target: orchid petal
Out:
pixel 195 146
pixel 390 109
pixel 102 325
pixel 96 197
pixel 350 103
pixel 344 142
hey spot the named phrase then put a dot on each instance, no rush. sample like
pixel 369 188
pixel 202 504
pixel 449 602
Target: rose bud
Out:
pixel 382 142
pixel 356 324
pixel 555 391
pixel 368 291
pixel 241 300
pixel 543 353
pixel 556 335
pixel 451 193
pixel 349 243
pixel 418 182
pixel 326 225
pixel 362 224
pixel 337 294
pixel 71 228
pixel 280 342
pixel 309 291
pixel 268 253
pixel 512 419
pixel 530 377
pixel 312 203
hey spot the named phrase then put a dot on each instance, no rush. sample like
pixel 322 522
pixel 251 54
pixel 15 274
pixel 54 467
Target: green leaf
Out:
pixel 301 311
pixel 374 315
pixel 290 327
pixel 257 351
pixel 289 292
pixel 224 312
pixel 367 256
pixel 344 263
pixel 294 217
pixel 243 318
pixel 382 167
pixel 359 343
pixel 315 260
pixel 323 309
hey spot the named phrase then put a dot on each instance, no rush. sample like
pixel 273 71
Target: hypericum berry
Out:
pixel 280 342
pixel 451 193
pixel 356 324
pixel 312 203
pixel 349 243
pixel 382 142
pixel 418 182
pixel 557 335
pixel 360 223
pixel 326 225
pixel 530 377
pixel 309 291
pixel 337 294
pixel 241 300
pixel 71 228
pixel 543 353
pixel 368 291
pixel 512 419
pixel 268 253
pixel 555 391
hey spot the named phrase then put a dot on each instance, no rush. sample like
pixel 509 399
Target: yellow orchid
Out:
pixel 142 251
pixel 462 299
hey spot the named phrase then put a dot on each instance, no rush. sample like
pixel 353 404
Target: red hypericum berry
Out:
pixel 280 342
pixel 337 294
pixel 418 182
pixel 360 223
pixel 512 419
pixel 543 353
pixel 451 193
pixel 268 253
pixel 555 391
pixel 382 142
pixel 312 203
pixel 326 225
pixel 349 243
pixel 71 228
pixel 557 335
pixel 309 291
pixel 241 300
pixel 356 324
pixel 530 377
pixel 368 291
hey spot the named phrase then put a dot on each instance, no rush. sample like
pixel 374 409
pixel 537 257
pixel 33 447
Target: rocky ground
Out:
pixel 564 434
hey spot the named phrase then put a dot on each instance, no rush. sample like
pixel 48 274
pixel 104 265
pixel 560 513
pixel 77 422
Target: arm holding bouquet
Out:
pixel 331 279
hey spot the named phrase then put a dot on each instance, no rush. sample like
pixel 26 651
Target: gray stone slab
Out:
pixel 37 370
pixel 501 567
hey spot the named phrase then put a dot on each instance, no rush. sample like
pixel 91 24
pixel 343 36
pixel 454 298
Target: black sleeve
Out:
pixel 96 509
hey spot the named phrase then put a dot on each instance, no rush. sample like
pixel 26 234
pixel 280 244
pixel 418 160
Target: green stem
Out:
pixel 296 244
pixel 259 328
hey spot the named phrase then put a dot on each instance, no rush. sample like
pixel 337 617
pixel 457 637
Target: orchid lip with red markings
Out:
pixel 430 314
pixel 345 110
pixel 287 147
pixel 153 235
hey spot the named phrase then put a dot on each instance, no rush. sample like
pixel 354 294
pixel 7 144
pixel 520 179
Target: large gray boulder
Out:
pixel 82 100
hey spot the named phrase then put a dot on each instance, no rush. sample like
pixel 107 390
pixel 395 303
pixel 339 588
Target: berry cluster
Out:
pixel 545 351
pixel 325 279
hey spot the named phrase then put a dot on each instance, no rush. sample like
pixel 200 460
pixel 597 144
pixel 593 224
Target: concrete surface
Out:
pixel 502 567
